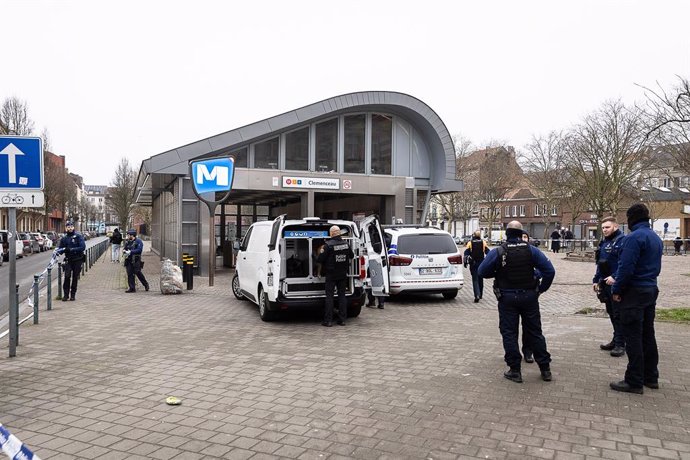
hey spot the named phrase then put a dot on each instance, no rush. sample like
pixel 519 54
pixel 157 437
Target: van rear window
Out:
pixel 305 233
pixel 428 243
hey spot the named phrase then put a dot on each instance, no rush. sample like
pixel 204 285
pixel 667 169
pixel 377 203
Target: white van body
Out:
pixel 423 260
pixel 276 265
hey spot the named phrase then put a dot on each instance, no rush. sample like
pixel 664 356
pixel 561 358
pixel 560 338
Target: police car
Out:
pixel 423 260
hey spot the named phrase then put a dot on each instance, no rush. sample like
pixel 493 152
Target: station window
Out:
pixel 354 143
pixel 327 146
pixel 297 150
pixel 266 154
pixel 240 156
pixel 381 143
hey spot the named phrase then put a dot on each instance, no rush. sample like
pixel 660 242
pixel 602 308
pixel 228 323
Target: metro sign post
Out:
pixel 212 175
pixel 21 185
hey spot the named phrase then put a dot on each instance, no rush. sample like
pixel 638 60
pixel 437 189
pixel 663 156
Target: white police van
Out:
pixel 423 260
pixel 277 269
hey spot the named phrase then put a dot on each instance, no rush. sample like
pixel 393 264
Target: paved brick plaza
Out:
pixel 420 379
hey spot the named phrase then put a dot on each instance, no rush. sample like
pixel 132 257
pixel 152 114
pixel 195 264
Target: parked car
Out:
pixel 30 243
pixel 40 239
pixel 277 270
pixel 18 244
pixel 423 260
pixel 52 236
pixel 47 243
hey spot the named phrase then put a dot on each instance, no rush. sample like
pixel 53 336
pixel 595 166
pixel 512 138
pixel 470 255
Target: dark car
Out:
pixel 19 246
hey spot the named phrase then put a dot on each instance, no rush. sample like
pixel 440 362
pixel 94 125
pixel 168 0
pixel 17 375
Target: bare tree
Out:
pixel 45 135
pixel 14 116
pixel 545 170
pixel 669 120
pixel 122 192
pixel 605 153
pixel 498 175
pixel 58 187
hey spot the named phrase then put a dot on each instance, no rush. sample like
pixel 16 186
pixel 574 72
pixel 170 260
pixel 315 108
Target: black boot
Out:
pixel 513 374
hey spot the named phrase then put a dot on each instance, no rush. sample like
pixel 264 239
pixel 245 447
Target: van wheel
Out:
pixel 236 288
pixel 354 312
pixel 264 313
pixel 450 294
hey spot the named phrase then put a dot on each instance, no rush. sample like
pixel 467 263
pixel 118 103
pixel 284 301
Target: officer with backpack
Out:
pixel 606 257
pixel 474 255
pixel 513 266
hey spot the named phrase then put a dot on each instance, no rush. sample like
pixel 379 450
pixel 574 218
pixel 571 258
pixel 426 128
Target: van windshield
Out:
pixel 428 243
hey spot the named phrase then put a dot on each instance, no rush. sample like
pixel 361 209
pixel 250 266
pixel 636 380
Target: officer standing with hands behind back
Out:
pixel 132 251
pixel 513 265
pixel 335 257
pixel 73 246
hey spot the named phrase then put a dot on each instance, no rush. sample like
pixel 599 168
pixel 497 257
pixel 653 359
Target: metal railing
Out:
pixel 44 280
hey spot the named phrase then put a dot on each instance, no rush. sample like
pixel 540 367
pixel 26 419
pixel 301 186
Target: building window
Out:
pixel 507 213
pixel 655 182
pixel 327 146
pixel 536 210
pixel 297 150
pixel 522 210
pixel 515 211
pixel 354 143
pixel 240 157
pixel 381 143
pixel 554 210
pixel 668 182
pixel 266 154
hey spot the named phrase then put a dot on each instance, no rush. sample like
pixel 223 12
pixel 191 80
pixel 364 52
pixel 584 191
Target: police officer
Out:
pixel 474 255
pixel 634 285
pixel 335 257
pixel 606 258
pixel 73 246
pixel 132 251
pixel 513 266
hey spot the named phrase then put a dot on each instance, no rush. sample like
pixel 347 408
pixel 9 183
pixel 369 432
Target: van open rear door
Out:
pixel 377 255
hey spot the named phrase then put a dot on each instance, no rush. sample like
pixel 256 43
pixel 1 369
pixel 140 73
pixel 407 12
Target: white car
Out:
pixel 47 242
pixel 277 270
pixel 423 260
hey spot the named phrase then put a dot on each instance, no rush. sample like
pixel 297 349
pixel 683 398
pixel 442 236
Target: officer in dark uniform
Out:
pixel 132 251
pixel 73 246
pixel 513 265
pixel 606 258
pixel 335 257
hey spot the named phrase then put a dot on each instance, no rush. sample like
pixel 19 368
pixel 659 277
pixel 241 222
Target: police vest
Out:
pixel 477 251
pixel 516 268
pixel 337 262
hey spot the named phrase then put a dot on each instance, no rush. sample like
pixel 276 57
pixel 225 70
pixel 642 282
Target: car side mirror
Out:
pixel 236 245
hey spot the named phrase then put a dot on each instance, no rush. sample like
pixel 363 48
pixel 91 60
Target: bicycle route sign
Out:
pixel 21 172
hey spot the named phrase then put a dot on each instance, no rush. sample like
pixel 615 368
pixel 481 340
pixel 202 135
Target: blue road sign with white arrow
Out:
pixel 21 163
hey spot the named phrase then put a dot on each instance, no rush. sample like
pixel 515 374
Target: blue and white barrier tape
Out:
pixel 42 275
pixel 13 447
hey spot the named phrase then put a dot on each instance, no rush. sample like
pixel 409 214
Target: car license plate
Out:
pixel 430 271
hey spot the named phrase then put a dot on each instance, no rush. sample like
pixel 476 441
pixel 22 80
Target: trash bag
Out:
pixel 171 278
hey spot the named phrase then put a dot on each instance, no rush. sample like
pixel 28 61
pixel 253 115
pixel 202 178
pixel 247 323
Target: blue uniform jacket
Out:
pixel 609 250
pixel 74 245
pixel 542 264
pixel 639 264
pixel 135 247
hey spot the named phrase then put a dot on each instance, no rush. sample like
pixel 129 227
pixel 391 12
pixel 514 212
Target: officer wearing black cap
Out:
pixel 132 251
pixel 335 257
pixel 73 246
pixel 513 264
pixel 634 286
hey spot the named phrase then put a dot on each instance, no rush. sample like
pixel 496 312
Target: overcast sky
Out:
pixel 136 78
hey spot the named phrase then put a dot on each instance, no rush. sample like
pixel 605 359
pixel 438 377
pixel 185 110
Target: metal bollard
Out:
pixel 49 287
pixel 184 267
pixel 85 265
pixel 36 278
pixel 16 293
pixel 189 267
pixel 59 281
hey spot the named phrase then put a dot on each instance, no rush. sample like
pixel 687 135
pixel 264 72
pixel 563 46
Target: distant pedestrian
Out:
pixel 634 285
pixel 678 244
pixel 73 246
pixel 132 251
pixel 513 266
pixel 555 241
pixel 335 259
pixel 116 242
pixel 473 257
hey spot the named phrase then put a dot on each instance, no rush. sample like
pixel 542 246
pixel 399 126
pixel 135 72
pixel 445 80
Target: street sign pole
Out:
pixel 14 307
pixel 212 246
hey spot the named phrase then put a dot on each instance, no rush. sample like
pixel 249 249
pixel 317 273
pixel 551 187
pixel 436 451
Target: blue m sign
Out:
pixel 213 175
